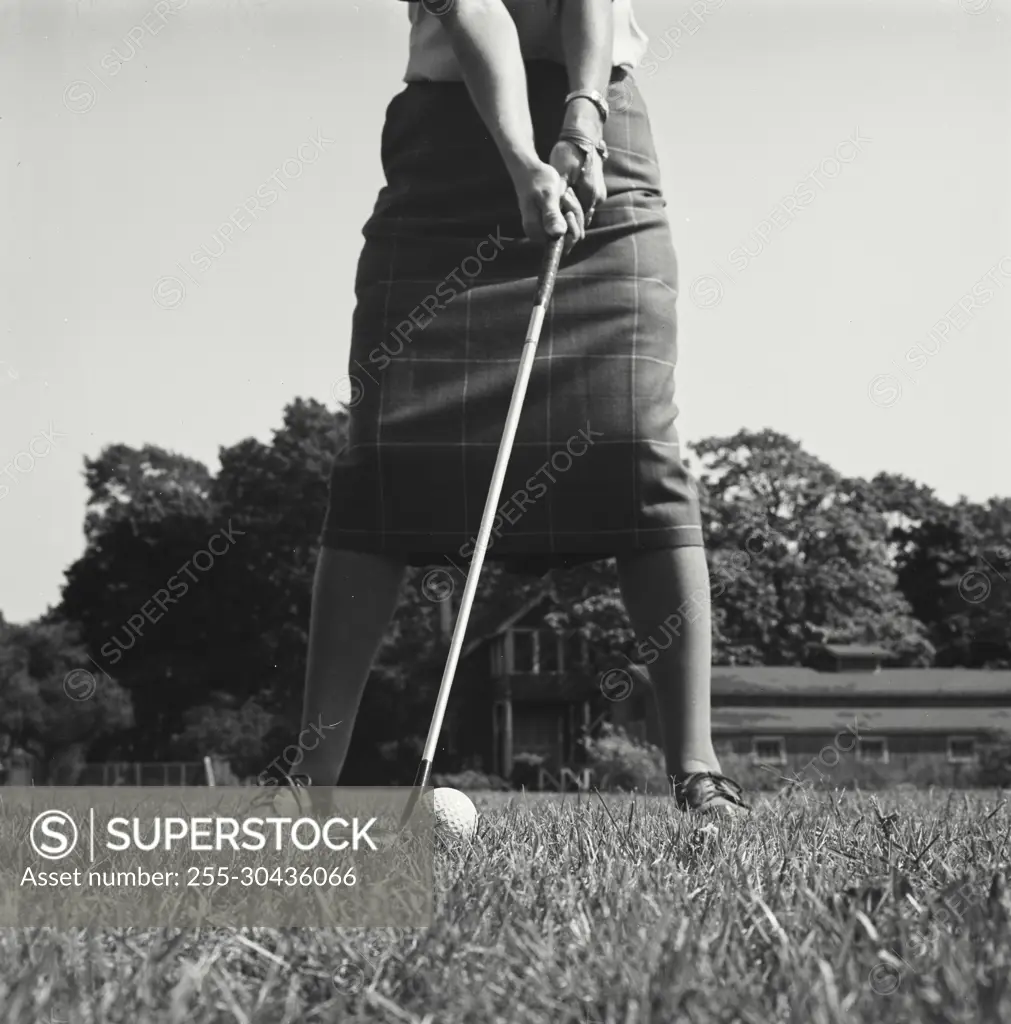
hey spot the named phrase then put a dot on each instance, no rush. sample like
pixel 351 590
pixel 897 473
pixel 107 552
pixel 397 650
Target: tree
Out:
pixel 139 486
pixel 820 565
pixel 981 596
pixel 223 729
pixel 279 495
pixel 797 555
pixel 953 565
pixel 51 702
pixel 192 584
pixel 145 613
pixel 240 631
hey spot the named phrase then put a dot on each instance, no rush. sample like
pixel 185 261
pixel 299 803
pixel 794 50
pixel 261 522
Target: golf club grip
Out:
pixel 549 271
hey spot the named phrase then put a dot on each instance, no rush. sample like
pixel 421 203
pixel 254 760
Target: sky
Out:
pixel 837 177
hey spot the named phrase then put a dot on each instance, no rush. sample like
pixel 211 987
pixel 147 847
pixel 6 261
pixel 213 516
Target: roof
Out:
pixel 778 721
pixel 856 650
pixel 902 683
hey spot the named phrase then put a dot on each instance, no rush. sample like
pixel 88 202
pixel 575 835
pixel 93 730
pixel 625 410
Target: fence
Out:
pixel 137 773
pixel 580 778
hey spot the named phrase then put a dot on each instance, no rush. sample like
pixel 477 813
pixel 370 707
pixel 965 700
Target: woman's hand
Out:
pixel 548 206
pixel 584 172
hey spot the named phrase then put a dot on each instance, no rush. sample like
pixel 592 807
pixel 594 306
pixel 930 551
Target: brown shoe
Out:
pixel 708 793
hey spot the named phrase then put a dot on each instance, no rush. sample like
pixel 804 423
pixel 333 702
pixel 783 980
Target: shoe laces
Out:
pixel 697 789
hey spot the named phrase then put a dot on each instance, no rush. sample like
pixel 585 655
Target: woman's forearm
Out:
pixel 487 48
pixel 587 28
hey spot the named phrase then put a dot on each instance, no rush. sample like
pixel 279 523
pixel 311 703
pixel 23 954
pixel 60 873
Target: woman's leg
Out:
pixel 354 597
pixel 666 594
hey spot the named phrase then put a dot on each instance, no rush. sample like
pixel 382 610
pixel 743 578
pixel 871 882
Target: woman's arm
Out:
pixel 487 48
pixel 587 28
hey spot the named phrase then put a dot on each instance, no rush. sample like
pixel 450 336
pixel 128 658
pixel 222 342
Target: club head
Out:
pixel 409 809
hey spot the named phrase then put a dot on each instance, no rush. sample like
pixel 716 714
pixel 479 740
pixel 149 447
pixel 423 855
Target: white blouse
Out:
pixel 432 59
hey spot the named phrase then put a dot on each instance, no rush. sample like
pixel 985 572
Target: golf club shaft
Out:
pixel 545 287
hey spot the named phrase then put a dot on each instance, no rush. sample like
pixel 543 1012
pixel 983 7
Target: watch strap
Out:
pixel 594 97
pixel 583 142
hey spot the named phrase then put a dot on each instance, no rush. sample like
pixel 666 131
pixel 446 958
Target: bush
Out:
pixel 471 780
pixel 228 732
pixel 621 763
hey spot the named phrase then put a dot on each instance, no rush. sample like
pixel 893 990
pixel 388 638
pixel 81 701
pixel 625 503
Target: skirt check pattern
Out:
pixel 444 288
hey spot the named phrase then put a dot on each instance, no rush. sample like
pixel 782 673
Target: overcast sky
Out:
pixel 838 185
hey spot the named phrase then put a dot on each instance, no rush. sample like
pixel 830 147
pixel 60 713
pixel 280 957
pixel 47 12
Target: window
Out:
pixel 576 651
pixel 961 750
pixel 873 749
pixel 524 650
pixel 539 650
pixel 549 651
pixel 768 749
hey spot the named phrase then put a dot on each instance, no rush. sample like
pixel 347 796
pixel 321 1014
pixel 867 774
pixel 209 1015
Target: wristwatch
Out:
pixel 594 97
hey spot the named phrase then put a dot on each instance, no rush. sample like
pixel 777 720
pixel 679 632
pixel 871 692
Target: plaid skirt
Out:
pixel 444 289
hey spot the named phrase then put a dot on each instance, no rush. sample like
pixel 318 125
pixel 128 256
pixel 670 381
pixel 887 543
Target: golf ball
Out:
pixel 455 815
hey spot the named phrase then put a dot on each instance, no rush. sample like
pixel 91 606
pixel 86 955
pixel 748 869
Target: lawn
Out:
pixel 818 908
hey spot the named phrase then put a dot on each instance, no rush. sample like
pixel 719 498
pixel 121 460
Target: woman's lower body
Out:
pixel 444 289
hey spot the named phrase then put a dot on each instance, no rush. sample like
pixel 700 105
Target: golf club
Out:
pixel 545 288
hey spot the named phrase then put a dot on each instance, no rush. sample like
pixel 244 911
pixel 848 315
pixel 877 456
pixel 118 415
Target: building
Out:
pixel 923 725
pixel 522 691
pixel 526 692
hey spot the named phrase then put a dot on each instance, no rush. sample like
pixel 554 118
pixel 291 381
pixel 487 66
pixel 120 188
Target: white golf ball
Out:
pixel 455 815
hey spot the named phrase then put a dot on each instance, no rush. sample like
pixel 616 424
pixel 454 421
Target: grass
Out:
pixel 819 908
